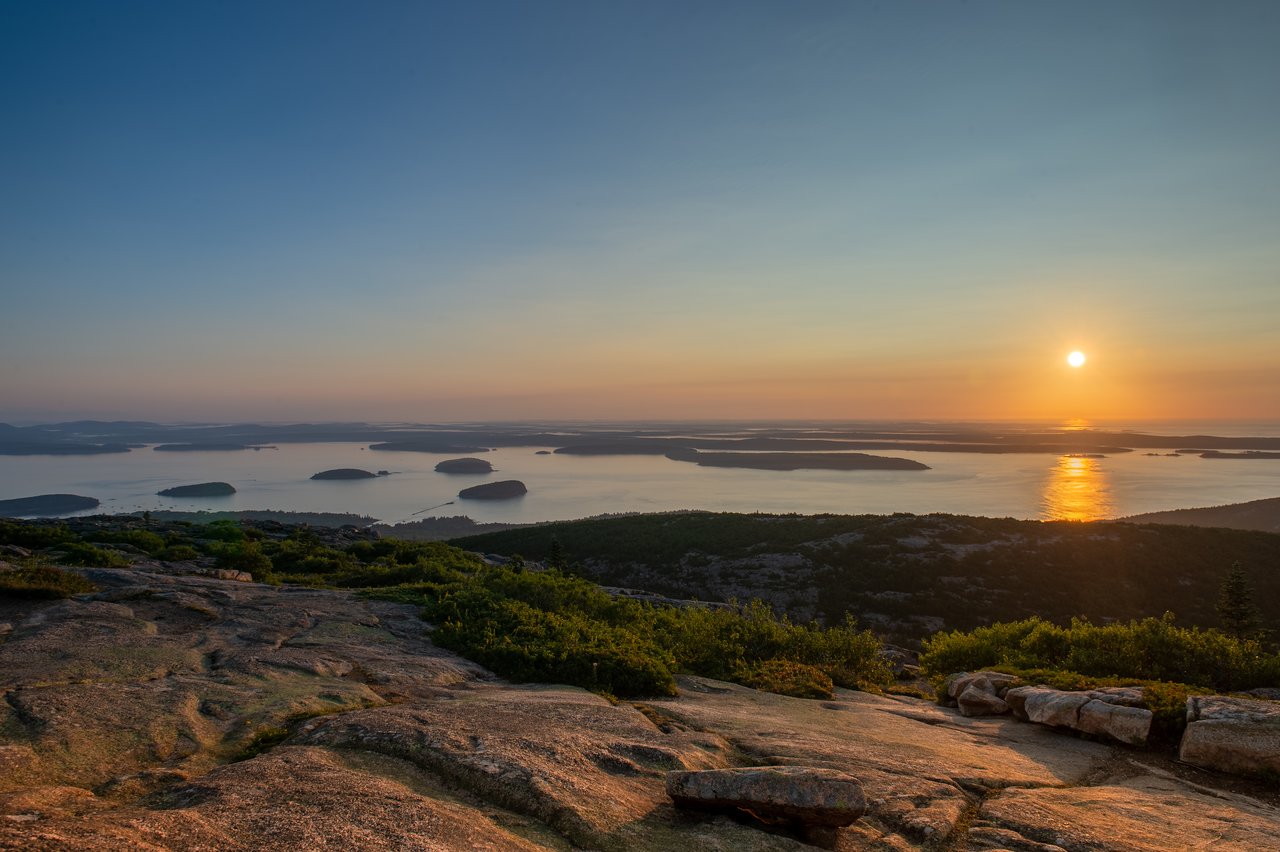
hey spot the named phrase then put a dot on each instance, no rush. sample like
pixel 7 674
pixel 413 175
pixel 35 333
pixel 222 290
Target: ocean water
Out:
pixel 565 486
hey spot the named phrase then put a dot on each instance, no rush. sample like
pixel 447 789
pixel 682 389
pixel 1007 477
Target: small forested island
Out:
pixel 345 473
pixel 504 490
pixel 211 446
pixel 202 489
pixel 46 504
pixel 796 461
pixel 464 466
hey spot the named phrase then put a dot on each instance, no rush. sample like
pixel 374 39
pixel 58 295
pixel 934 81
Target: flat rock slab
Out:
pixel 1142 814
pixel 821 797
pixel 916 762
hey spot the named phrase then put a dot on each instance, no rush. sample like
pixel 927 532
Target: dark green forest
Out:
pixel 909 575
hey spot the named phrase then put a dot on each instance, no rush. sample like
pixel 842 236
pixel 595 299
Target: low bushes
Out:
pixel 1152 649
pixel 549 626
pixel 42 581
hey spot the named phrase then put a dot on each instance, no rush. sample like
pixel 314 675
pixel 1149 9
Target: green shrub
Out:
pixel 34 535
pixel 246 556
pixel 785 677
pixel 229 531
pixel 148 542
pixel 42 581
pixel 1152 649
pixel 79 553
pixel 177 553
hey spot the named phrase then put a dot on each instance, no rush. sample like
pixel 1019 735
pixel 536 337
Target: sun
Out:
pixel 1076 359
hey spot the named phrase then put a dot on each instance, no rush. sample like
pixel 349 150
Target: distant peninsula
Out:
pixel 203 489
pixel 796 461
pixel 507 489
pixel 1260 515
pixel 1250 454
pixel 207 447
pixel 345 473
pixel 426 447
pixel 46 504
pixel 464 466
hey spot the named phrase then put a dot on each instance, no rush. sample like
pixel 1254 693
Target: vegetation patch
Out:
pixel 784 677
pixel 1153 649
pixel 42 581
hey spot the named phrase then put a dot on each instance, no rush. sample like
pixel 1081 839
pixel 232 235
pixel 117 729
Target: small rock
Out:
pixel 809 796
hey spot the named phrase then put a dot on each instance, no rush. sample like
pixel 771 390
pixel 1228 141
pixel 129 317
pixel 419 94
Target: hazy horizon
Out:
pixel 634 211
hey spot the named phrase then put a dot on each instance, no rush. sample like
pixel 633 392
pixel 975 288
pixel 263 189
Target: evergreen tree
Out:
pixel 1235 605
pixel 556 557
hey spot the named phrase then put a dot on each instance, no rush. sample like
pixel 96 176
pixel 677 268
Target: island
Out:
pixel 464 466
pixel 200 447
pixel 203 489
pixel 45 505
pixel 1248 454
pixel 426 447
pixel 345 473
pixel 796 461
pixel 507 489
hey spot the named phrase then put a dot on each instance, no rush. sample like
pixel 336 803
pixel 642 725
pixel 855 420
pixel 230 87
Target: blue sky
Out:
pixel 289 210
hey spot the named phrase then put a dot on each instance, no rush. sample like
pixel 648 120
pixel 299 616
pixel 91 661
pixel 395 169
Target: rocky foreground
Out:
pixel 189 712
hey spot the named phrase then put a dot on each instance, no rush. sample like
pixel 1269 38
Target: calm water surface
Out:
pixel 565 486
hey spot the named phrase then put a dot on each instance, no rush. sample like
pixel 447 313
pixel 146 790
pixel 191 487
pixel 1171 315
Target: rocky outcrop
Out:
pixel 979 693
pixel 208 714
pixel 203 489
pixel 467 465
pixel 811 797
pixel 1111 712
pixel 507 489
pixel 1114 712
pixel 344 473
pixel 1232 734
pixel 46 505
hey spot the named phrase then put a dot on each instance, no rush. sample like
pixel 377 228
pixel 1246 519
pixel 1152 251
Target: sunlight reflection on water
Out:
pixel 1077 489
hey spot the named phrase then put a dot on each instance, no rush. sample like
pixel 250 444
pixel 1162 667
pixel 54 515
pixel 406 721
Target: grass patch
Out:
pixel 42 581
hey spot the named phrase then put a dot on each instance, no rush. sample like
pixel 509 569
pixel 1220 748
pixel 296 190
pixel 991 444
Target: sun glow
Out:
pixel 1076 359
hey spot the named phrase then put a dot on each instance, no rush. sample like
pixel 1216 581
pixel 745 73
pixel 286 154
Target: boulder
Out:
pixel 1240 735
pixel 1047 706
pixel 1106 712
pixel 1130 725
pixel 978 693
pixel 805 795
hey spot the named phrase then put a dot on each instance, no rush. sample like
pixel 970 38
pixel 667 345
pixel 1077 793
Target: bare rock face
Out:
pixel 819 797
pixel 1147 812
pixel 182 712
pixel 1232 734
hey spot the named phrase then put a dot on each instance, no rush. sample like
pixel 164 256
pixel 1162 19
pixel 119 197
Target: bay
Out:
pixel 563 486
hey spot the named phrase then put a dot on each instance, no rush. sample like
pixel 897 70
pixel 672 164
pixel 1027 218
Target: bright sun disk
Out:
pixel 1076 359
